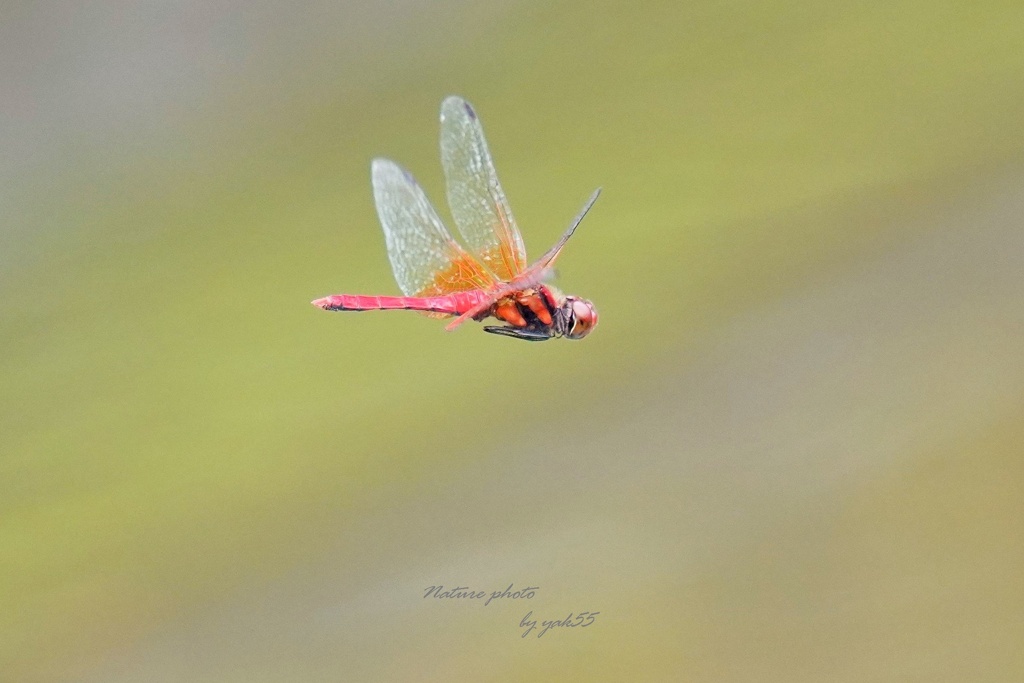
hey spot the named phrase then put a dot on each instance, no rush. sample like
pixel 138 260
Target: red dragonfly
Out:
pixel 439 277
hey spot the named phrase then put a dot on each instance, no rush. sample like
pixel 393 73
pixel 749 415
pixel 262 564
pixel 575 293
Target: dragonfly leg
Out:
pixel 527 334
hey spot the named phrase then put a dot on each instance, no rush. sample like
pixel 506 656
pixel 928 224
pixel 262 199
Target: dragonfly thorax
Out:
pixel 541 313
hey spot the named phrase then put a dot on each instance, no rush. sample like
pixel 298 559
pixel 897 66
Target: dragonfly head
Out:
pixel 578 317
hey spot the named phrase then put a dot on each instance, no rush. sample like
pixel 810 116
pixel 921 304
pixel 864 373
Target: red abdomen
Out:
pixel 451 304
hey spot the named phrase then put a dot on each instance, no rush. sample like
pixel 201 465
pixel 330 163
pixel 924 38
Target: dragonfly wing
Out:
pixel 478 204
pixel 547 261
pixel 425 258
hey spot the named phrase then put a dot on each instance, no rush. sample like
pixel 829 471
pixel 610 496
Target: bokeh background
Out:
pixel 791 452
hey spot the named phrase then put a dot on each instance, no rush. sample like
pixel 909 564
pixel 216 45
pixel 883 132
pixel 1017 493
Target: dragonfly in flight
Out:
pixel 491 279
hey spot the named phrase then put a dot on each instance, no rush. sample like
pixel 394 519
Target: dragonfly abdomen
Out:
pixel 452 304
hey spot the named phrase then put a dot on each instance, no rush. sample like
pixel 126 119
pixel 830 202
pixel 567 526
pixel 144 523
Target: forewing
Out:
pixel 546 262
pixel 478 204
pixel 425 258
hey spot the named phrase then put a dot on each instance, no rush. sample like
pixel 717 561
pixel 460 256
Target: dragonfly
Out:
pixel 489 278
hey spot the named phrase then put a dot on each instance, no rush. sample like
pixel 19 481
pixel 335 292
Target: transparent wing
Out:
pixel 547 261
pixel 425 258
pixel 477 201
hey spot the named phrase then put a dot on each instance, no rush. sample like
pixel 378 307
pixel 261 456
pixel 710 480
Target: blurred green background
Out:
pixel 791 451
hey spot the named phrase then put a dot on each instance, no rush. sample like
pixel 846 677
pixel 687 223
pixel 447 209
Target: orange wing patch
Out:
pixel 463 273
pixel 505 251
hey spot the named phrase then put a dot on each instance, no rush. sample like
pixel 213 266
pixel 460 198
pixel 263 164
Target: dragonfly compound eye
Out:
pixel 583 318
